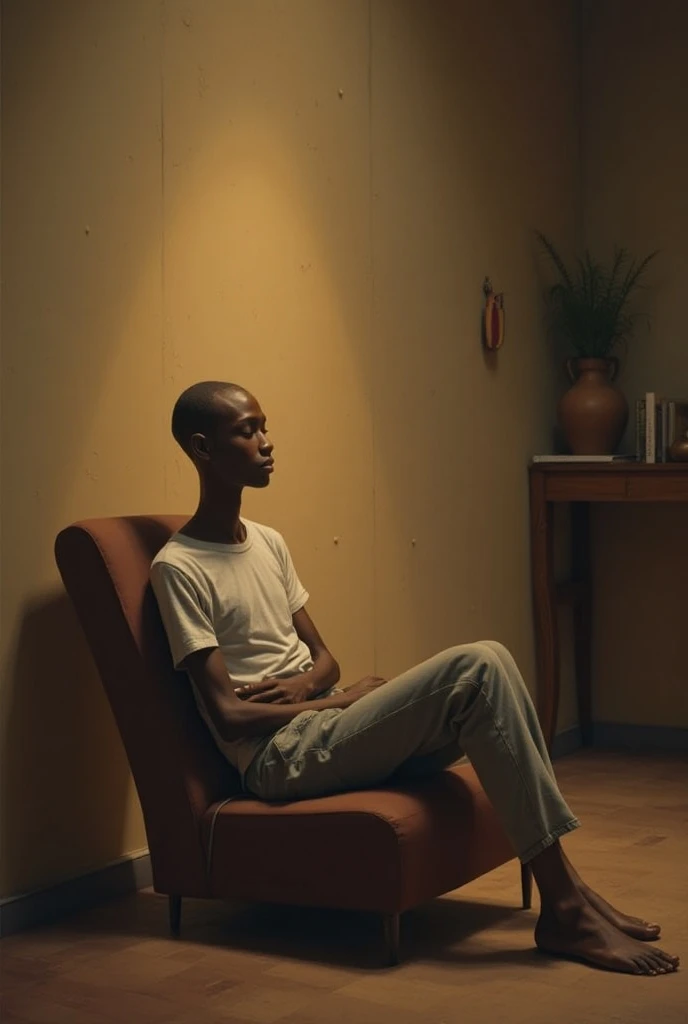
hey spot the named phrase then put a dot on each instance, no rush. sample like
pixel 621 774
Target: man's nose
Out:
pixel 265 443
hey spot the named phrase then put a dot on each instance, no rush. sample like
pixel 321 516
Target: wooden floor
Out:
pixel 469 957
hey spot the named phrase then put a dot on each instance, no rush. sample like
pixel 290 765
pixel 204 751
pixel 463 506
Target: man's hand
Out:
pixel 363 687
pixel 298 689
pixel 273 690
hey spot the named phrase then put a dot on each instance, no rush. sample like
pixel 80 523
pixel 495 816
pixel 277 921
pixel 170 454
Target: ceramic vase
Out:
pixel 593 413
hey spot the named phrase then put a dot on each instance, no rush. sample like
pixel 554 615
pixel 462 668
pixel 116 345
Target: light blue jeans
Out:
pixel 469 700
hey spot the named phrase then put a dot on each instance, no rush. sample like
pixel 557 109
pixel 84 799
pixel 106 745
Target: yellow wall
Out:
pixel 304 197
pixel 635 189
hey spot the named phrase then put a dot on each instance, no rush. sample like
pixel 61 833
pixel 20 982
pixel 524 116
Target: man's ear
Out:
pixel 199 447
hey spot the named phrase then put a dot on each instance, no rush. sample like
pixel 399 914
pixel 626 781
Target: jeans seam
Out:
pixel 412 703
pixel 513 757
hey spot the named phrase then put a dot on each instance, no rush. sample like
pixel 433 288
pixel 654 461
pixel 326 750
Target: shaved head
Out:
pixel 197 409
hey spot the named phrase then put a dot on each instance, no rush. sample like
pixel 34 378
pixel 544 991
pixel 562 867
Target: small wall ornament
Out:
pixel 493 317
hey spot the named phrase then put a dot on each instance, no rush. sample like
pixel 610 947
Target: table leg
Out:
pixel 582 615
pixel 544 606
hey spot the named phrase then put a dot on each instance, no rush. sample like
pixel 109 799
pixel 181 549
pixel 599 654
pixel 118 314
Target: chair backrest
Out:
pixel 177 768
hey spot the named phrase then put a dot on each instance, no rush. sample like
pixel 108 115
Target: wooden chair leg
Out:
pixel 526 886
pixel 391 928
pixel 175 911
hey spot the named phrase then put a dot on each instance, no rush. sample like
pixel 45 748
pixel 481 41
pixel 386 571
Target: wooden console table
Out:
pixel 579 484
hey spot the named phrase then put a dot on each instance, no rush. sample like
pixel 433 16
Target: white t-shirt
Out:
pixel 240 598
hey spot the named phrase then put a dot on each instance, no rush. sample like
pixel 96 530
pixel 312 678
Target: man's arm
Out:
pixel 325 672
pixel 303 686
pixel 235 718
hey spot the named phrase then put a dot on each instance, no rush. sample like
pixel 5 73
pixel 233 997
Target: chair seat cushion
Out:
pixel 384 849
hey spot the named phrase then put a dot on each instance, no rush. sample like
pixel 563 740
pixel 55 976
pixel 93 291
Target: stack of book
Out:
pixel 658 422
pixel 583 458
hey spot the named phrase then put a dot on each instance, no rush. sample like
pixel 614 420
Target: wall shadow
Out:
pixel 61 756
pixel 81 240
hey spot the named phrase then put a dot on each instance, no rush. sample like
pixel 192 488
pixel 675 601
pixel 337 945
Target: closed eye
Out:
pixel 251 427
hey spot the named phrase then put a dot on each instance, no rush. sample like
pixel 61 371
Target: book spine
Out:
pixel 650 426
pixel 640 430
pixel 671 426
pixel 681 421
pixel 664 431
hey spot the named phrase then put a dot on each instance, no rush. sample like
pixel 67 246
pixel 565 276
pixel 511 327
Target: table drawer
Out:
pixel 667 486
pixel 586 486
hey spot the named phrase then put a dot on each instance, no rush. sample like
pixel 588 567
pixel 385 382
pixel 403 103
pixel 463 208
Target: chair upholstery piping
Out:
pixel 211 836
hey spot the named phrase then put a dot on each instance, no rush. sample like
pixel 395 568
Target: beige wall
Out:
pixel 635 177
pixel 304 197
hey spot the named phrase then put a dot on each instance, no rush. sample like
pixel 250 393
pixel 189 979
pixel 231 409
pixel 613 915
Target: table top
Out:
pixel 621 466
pixel 609 481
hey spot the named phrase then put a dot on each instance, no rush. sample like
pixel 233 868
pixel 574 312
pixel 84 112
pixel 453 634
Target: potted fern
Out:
pixel 589 312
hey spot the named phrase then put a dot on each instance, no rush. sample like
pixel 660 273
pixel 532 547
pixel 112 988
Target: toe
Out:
pixel 661 964
pixel 657 966
pixel 642 966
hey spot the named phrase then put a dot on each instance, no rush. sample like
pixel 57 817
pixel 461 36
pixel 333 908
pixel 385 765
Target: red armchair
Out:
pixel 208 839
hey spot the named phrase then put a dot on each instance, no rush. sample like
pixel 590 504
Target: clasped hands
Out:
pixel 275 690
pixel 298 689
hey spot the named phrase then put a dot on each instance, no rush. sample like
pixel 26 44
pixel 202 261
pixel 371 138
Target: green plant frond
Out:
pixel 555 257
pixel 596 281
pixel 634 274
pixel 620 257
pixel 588 307
pixel 631 280
pixel 582 278
pixel 624 324
pixel 558 289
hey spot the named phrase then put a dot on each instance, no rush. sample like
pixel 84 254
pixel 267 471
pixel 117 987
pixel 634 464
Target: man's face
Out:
pixel 238 450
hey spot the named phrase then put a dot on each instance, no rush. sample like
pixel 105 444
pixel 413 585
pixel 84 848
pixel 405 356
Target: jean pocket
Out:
pixel 287 738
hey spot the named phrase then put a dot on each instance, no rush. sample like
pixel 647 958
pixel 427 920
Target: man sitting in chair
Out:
pixel 264 681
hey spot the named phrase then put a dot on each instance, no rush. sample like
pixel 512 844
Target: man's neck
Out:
pixel 217 524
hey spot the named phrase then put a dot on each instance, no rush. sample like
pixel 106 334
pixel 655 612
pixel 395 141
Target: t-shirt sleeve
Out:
pixel 187 625
pixel 297 595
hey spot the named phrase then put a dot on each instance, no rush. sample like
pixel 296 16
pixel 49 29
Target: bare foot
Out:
pixel 633 926
pixel 579 932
